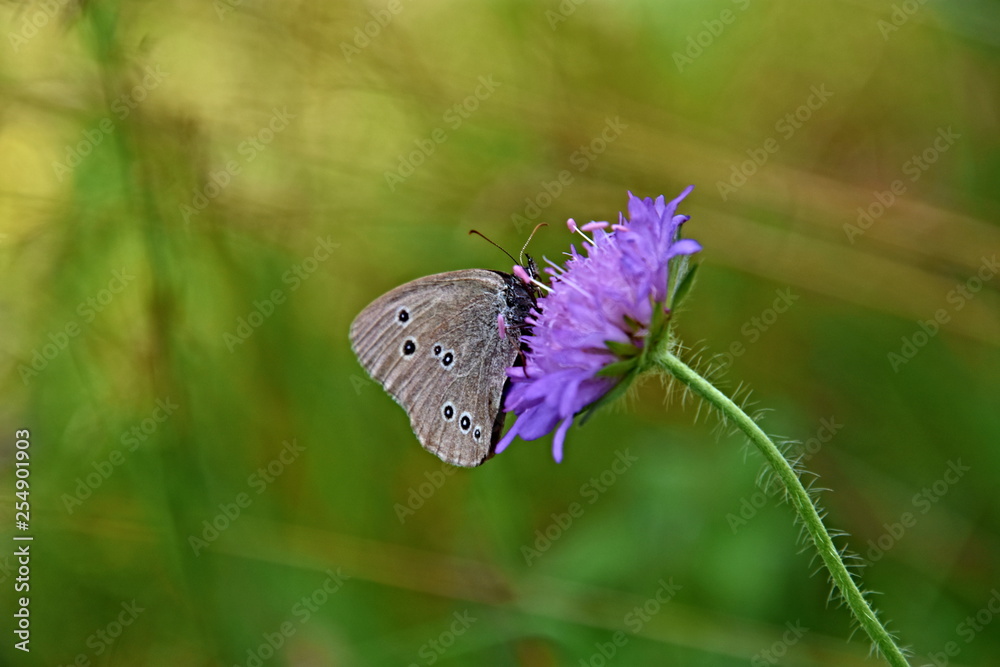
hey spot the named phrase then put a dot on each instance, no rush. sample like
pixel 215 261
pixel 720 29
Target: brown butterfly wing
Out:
pixel 435 347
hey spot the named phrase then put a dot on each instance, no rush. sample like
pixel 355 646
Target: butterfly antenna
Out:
pixel 491 242
pixel 530 236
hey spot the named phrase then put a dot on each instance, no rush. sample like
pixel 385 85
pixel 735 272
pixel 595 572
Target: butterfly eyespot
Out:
pixel 409 347
pixel 475 302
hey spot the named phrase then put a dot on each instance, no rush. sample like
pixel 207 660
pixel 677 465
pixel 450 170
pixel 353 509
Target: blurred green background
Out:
pixel 196 198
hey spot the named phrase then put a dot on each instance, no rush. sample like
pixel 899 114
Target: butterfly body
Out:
pixel 440 345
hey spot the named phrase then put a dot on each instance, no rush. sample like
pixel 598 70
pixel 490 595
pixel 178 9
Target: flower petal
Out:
pixel 608 293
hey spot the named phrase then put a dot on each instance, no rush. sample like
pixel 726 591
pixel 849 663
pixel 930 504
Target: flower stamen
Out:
pixel 571 223
pixel 558 269
pixel 529 280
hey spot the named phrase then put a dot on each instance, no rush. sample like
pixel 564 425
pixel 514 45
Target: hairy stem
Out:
pixel 796 493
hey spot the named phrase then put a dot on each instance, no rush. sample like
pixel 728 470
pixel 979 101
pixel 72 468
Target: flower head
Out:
pixel 603 308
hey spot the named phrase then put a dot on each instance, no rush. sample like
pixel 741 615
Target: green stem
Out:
pixel 796 492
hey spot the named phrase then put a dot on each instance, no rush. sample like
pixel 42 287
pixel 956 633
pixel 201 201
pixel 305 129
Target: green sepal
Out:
pixel 657 330
pixel 622 350
pixel 634 326
pixel 684 286
pixel 618 368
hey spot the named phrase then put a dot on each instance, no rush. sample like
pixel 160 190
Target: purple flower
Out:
pixel 602 309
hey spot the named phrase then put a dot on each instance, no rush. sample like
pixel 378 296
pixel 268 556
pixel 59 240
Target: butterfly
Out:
pixel 440 345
